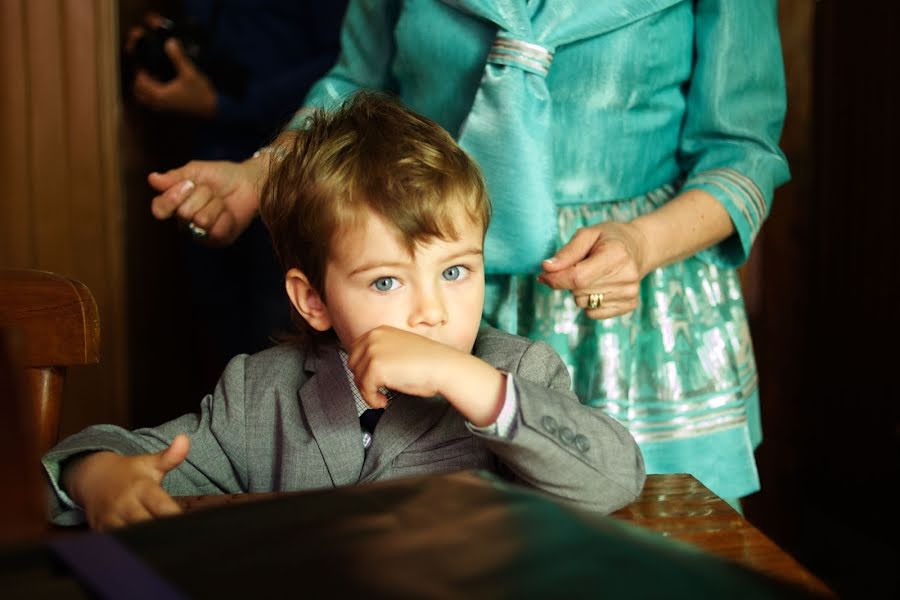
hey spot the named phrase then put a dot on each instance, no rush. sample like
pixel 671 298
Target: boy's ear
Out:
pixel 306 300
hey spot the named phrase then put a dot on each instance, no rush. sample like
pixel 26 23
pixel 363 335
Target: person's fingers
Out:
pixel 161 504
pixel 583 298
pixel 163 181
pixel 561 280
pixel 365 374
pixel 614 301
pixel 598 268
pixel 135 512
pixel 166 203
pixel 155 20
pixel 224 230
pixel 198 198
pixel 206 216
pixel 180 60
pixel 369 390
pixel 377 400
pixel 166 460
pixel 145 89
pixel 574 251
pixel 107 522
pixel 608 312
pixel 131 39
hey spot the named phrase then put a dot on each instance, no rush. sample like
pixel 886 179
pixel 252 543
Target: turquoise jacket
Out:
pixel 642 92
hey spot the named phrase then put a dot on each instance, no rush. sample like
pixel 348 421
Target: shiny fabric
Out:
pixel 513 105
pixel 642 93
pixel 631 105
pixel 678 371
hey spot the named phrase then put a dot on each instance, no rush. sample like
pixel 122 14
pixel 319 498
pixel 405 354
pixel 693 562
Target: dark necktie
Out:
pixel 369 418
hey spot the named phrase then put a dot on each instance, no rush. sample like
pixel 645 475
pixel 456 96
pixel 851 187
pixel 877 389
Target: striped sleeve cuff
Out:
pixel 746 206
pixel 54 472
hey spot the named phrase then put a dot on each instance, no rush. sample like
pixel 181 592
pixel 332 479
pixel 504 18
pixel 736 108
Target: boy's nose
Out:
pixel 430 310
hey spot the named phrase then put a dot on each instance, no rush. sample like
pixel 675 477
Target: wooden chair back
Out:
pixel 56 322
pixel 22 506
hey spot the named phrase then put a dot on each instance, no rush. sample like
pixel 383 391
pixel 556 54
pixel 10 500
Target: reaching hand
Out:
pixel 119 490
pixel 604 261
pixel 217 196
pixel 190 92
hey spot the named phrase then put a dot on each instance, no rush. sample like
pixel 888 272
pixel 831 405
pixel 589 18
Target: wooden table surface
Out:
pixel 680 507
pixel 676 506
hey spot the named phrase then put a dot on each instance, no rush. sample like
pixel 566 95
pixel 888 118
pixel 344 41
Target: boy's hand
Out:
pixel 412 364
pixel 117 490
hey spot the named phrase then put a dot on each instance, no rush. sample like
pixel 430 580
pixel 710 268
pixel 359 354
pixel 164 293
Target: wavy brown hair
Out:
pixel 371 153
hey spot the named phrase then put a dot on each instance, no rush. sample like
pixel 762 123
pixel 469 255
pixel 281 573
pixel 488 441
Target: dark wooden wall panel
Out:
pixel 779 324
pixel 62 203
pixel 829 319
pixel 15 214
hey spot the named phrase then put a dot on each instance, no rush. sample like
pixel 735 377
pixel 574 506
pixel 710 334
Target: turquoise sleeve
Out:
pixel 735 111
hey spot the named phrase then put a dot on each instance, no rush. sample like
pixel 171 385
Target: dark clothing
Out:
pixel 281 47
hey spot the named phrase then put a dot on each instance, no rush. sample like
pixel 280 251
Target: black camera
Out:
pixel 149 54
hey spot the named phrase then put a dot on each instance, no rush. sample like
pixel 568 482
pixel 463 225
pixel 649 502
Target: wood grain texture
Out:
pixel 22 516
pixel 58 325
pixel 61 210
pixel 16 246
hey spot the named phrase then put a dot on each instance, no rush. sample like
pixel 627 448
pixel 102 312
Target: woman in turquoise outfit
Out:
pixel 631 152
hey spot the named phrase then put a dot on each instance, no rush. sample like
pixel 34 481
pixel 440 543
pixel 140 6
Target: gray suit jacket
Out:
pixel 285 420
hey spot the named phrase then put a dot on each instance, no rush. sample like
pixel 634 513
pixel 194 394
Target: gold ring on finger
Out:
pixel 595 301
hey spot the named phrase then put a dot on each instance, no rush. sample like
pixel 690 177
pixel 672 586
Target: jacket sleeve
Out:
pixel 571 451
pixel 735 112
pixel 216 463
pixel 367 49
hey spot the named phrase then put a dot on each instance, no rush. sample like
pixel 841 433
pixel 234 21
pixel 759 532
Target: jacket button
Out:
pixel 566 435
pixel 582 443
pixel 549 424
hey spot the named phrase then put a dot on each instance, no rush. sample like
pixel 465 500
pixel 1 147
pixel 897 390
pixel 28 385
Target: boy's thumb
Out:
pixel 174 455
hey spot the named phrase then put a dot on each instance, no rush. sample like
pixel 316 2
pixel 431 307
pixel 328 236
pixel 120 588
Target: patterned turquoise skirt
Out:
pixel 678 372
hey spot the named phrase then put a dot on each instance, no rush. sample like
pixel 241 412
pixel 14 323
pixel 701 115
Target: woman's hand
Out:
pixel 219 197
pixel 606 261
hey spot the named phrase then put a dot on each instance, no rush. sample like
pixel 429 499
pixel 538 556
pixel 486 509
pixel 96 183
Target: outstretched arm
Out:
pixel 217 462
pixel 222 198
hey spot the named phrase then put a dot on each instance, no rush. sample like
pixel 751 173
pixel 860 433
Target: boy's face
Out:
pixel 371 280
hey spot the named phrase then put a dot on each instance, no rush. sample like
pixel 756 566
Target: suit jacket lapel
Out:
pixel 405 420
pixel 328 404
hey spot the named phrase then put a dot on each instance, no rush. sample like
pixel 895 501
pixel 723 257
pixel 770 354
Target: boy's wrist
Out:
pixel 476 389
pixel 76 470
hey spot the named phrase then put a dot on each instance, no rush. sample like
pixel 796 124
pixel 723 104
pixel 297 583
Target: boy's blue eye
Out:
pixel 385 284
pixel 453 273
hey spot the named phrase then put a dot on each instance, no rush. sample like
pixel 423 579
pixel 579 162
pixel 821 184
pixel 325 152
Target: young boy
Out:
pixel 379 220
